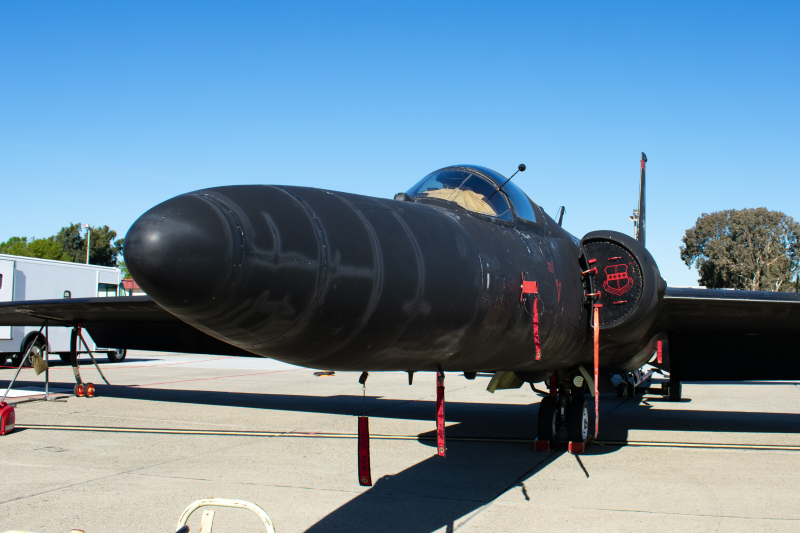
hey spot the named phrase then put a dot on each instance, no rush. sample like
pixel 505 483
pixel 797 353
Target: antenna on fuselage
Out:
pixel 561 211
pixel 640 225
pixel 520 168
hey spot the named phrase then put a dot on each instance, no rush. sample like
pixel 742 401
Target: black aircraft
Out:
pixel 432 279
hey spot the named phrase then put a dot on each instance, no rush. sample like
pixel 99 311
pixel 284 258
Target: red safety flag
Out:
pixel 597 369
pixel 659 353
pixel 364 474
pixel 440 444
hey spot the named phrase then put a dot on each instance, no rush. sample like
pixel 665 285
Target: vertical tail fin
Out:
pixel 640 228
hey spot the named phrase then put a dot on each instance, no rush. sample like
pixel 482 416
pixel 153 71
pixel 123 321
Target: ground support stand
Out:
pixel 8 412
pixel 82 389
pixel 631 387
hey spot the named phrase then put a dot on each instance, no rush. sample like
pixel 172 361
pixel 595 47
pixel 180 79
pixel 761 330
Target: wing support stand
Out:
pixel 8 412
pixel 82 389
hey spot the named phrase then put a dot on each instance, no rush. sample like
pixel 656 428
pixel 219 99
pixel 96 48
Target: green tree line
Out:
pixel 750 249
pixel 70 245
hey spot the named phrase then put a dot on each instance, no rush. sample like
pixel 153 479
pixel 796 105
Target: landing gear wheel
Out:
pixel 578 420
pixel 674 389
pixel 117 356
pixel 89 390
pixel 547 429
pixel 80 390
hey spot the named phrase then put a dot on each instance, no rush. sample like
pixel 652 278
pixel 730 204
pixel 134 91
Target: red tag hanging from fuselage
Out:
pixel 440 441
pixel 532 287
pixel 364 473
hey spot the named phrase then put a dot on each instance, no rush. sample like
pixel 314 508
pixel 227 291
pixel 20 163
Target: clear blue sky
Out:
pixel 109 108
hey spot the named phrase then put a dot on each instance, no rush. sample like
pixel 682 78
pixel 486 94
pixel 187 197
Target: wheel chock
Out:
pixel 578 447
pixel 80 390
pixel 541 445
pixel 90 390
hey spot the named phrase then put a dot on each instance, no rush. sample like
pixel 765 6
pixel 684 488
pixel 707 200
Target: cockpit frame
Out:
pixel 522 208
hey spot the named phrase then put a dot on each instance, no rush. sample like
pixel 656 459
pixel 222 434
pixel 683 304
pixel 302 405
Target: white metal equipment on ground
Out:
pixel 27 278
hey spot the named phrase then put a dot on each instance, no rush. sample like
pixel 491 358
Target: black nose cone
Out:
pixel 181 252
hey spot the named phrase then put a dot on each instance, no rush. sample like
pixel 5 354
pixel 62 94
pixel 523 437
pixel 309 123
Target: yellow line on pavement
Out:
pixel 323 435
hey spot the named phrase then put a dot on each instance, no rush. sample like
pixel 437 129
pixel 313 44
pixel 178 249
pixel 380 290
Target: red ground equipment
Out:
pixel 7 418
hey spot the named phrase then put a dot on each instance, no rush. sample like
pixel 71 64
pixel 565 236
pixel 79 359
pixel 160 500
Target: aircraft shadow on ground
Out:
pixel 517 421
pixel 438 492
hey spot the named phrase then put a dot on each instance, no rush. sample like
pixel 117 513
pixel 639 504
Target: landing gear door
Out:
pixel 6 291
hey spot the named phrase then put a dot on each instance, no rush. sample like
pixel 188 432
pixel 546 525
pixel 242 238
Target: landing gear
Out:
pixel 548 420
pixel 578 419
pixel 567 410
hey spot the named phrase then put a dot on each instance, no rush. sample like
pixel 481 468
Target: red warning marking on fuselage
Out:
pixel 617 280
pixel 558 290
pixel 550 267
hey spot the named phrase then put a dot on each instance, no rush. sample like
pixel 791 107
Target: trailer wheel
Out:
pixel 117 356
pixel 3 359
pixel 65 357
pixel 37 348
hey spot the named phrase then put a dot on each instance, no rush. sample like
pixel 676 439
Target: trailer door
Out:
pixel 6 291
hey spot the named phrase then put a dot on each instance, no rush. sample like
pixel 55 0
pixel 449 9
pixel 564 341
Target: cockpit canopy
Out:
pixel 476 189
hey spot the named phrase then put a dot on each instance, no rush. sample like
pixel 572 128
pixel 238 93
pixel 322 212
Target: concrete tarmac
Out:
pixel 110 481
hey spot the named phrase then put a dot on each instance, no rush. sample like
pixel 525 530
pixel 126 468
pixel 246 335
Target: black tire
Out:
pixel 37 347
pixel 547 429
pixel 65 357
pixel 674 389
pixel 117 356
pixel 3 359
pixel 578 420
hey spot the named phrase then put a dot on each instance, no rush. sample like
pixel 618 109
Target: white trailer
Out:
pixel 26 278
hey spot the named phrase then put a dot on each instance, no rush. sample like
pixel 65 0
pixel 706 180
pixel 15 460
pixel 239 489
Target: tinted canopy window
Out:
pixel 519 200
pixel 469 190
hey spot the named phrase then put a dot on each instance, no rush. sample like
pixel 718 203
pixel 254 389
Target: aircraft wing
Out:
pixel 132 322
pixel 720 335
